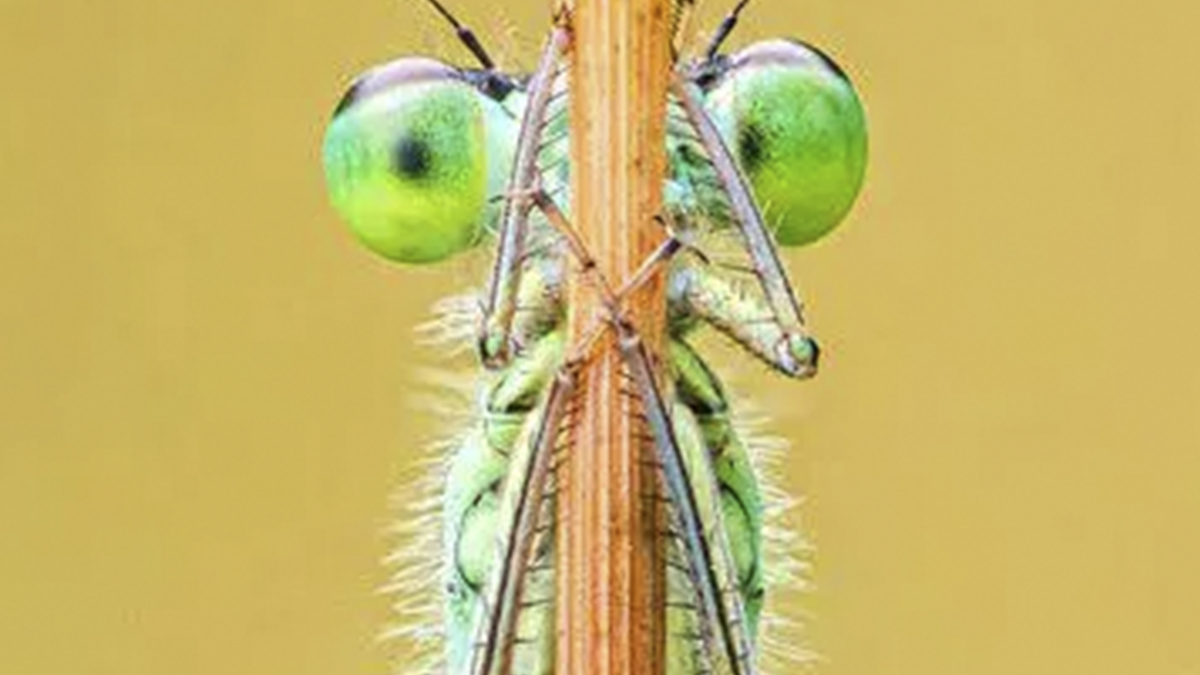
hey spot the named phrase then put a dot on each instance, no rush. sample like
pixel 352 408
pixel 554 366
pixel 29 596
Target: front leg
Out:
pixel 494 339
pixel 773 281
pixel 699 290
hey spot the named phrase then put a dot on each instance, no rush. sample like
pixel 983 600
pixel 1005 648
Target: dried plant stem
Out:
pixel 611 613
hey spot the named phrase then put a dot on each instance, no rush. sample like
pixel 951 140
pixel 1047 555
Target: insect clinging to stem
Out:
pixel 764 147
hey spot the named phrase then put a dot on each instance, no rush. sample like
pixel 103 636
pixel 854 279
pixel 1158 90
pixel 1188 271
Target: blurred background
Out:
pixel 207 388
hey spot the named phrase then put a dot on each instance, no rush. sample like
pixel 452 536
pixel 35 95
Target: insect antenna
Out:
pixel 723 30
pixel 466 36
pixel 489 80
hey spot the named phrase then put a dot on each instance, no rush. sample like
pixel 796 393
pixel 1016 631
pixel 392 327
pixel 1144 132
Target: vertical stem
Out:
pixel 611 614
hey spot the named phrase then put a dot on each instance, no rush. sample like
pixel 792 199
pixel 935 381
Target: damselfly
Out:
pixel 763 147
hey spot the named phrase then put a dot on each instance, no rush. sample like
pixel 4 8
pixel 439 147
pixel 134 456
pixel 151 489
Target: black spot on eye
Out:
pixel 412 158
pixel 751 147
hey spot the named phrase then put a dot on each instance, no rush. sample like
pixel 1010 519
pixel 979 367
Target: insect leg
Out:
pixel 702 291
pixel 723 30
pixel 706 294
pixel 700 394
pixel 612 298
pixel 498 632
pixel 494 336
pixel 710 557
pixel 716 584
pixel 479 490
pixel 778 291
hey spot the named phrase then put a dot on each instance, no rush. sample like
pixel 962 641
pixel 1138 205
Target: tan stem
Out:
pixel 611 610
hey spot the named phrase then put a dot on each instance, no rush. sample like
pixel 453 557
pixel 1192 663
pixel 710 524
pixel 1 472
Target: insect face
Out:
pixel 796 125
pixel 412 155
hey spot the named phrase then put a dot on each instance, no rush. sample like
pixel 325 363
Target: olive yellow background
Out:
pixel 208 391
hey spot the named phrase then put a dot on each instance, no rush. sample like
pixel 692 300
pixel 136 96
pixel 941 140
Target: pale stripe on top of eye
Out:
pixel 786 52
pixel 398 73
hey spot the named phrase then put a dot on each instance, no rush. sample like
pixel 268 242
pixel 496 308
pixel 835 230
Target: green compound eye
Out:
pixel 411 157
pixel 794 122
